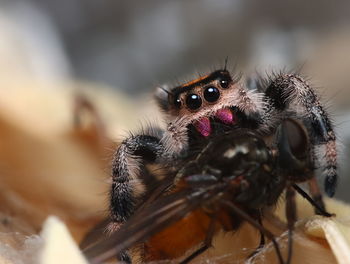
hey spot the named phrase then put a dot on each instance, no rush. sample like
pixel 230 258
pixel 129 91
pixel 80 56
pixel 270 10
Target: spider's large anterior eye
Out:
pixel 224 81
pixel 211 94
pixel 193 101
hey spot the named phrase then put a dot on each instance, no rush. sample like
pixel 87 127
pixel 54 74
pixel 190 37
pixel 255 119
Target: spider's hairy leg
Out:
pixel 291 96
pixel 175 138
pixel 316 194
pixel 293 144
pixel 126 182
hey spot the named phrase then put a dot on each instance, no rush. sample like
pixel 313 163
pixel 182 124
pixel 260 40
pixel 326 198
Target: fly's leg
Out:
pixel 318 209
pixel 291 214
pixel 253 222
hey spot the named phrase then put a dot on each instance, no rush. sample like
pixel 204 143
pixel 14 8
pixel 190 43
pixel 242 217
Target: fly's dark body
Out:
pixel 242 157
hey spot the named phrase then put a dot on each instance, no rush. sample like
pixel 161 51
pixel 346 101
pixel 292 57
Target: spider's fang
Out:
pixel 226 116
pixel 203 126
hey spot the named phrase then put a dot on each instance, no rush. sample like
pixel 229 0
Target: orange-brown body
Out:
pixel 174 241
pixel 186 234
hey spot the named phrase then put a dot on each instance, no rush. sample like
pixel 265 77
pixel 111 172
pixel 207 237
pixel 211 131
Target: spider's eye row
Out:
pixel 211 94
pixel 224 81
pixel 193 101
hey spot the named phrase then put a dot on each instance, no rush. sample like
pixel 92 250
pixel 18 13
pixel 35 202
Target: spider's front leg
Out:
pixel 128 183
pixel 288 95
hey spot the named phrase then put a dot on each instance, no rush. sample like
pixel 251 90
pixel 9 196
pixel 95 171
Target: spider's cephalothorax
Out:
pixel 212 105
pixel 205 107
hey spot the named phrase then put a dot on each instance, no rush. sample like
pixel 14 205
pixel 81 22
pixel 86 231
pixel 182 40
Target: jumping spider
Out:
pixel 209 107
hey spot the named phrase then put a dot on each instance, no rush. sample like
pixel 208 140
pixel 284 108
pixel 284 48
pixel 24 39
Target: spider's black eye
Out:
pixel 224 81
pixel 177 102
pixel 211 94
pixel 193 101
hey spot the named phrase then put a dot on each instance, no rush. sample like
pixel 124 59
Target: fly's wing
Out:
pixel 95 234
pixel 149 220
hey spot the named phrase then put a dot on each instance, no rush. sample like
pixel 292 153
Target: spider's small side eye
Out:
pixel 211 94
pixel 193 101
pixel 224 82
pixel 177 102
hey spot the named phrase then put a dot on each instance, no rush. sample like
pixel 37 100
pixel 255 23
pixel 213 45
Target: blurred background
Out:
pixel 123 49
